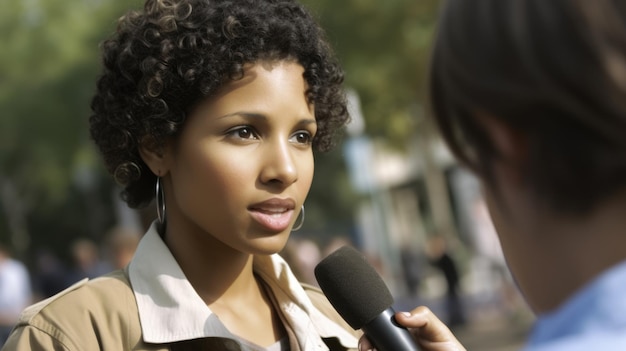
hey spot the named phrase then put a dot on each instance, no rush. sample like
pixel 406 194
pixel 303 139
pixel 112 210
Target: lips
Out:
pixel 274 215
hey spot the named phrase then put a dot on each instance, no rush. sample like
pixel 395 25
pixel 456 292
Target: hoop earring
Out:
pixel 297 227
pixel 160 202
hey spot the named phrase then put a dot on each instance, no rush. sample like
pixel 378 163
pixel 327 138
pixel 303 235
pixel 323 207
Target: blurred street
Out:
pixel 496 334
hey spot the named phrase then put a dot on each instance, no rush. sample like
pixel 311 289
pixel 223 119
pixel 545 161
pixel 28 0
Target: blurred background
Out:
pixel 389 188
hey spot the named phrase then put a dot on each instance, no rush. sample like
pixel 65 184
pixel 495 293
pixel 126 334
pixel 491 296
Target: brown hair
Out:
pixel 553 70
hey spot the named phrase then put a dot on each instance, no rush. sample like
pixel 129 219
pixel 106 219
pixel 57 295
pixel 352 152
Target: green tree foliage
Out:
pixel 47 68
pixel 384 47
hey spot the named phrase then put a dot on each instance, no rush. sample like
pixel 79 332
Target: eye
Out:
pixel 242 132
pixel 302 137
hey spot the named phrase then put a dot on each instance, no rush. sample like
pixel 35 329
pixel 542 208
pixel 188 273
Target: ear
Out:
pixel 155 156
pixel 510 144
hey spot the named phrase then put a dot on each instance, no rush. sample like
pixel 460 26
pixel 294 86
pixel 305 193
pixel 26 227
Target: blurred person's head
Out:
pixel 122 243
pixel 531 95
pixel 302 255
pixel 436 246
pixel 335 244
pixel 85 253
pixel 553 73
pixel 4 252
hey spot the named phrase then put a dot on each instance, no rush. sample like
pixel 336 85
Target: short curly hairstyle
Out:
pixel 163 60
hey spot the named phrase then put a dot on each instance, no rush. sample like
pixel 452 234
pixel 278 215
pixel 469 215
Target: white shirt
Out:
pixel 593 319
pixel 170 310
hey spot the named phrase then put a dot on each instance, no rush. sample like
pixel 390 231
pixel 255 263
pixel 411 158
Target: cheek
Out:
pixel 207 181
pixel 225 180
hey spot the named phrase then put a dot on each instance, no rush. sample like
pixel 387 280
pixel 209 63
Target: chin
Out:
pixel 269 245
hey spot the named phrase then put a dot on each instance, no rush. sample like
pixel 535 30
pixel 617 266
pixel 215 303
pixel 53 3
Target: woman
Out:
pixel 215 107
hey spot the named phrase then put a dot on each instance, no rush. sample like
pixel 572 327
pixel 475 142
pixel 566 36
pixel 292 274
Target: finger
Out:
pixel 426 323
pixel 365 344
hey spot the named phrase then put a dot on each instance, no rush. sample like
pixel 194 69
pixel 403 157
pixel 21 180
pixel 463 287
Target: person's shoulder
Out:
pixel 604 340
pixel 108 294
pixel 87 313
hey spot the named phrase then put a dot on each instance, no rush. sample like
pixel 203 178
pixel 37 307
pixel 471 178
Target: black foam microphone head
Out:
pixel 353 286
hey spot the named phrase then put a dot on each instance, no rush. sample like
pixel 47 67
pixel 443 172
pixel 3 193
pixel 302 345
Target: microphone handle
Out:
pixel 384 338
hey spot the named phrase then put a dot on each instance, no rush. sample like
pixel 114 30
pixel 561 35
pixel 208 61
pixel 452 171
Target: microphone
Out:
pixel 360 296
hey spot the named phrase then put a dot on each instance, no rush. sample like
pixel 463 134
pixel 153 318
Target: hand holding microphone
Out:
pixel 361 297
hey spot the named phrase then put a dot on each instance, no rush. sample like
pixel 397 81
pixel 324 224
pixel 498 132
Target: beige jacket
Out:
pixel 101 314
pixel 151 306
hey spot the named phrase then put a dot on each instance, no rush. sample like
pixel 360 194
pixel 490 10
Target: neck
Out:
pixel 568 252
pixel 216 271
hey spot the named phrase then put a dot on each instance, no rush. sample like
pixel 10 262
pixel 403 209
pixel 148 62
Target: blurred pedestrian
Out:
pixel 412 265
pixel 86 261
pixel 15 291
pixel 50 276
pixel 121 244
pixel 302 255
pixel 442 259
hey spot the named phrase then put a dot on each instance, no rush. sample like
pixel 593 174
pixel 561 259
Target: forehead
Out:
pixel 264 79
pixel 263 87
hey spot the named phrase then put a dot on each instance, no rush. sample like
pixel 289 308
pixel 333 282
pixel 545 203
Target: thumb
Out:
pixel 427 327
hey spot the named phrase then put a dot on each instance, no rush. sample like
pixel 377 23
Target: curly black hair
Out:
pixel 163 60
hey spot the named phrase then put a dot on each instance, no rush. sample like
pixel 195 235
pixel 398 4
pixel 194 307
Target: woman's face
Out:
pixel 242 166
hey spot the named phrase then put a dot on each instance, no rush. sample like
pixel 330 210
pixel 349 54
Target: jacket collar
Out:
pixel 170 310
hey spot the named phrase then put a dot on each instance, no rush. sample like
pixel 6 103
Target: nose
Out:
pixel 279 164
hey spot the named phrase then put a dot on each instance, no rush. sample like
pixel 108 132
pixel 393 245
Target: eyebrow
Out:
pixel 254 115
